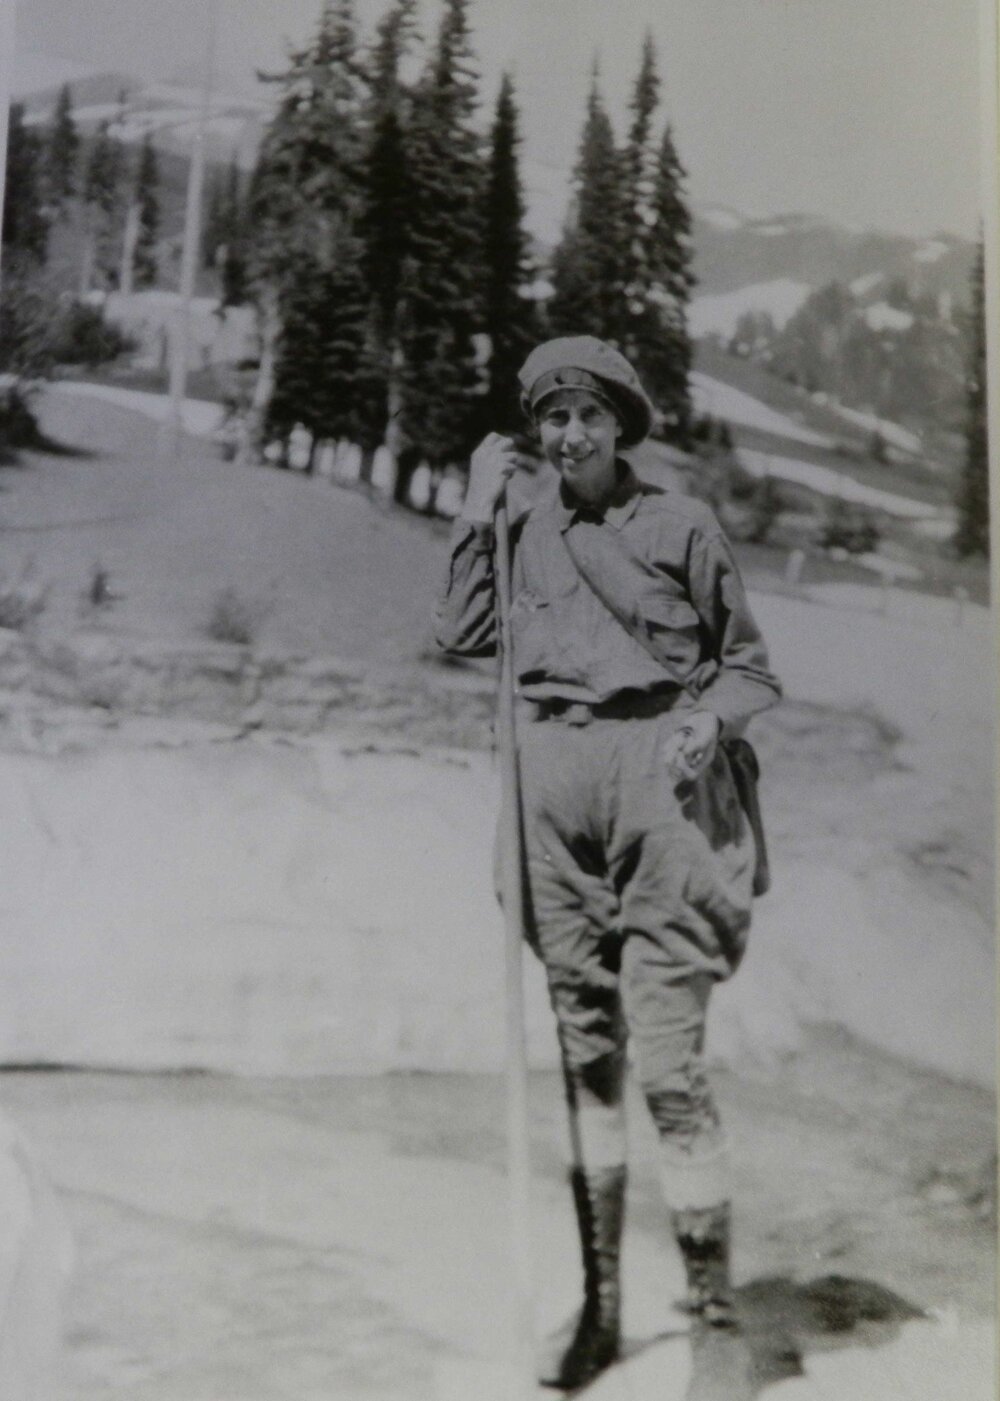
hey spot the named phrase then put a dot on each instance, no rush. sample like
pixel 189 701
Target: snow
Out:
pixel 861 286
pixel 35 1261
pixel 274 905
pixel 720 217
pixel 892 433
pixel 931 252
pixel 713 396
pixel 199 416
pixel 828 482
pixel 718 313
pixel 883 317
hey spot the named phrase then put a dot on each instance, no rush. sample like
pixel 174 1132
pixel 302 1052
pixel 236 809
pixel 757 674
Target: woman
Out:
pixel 636 657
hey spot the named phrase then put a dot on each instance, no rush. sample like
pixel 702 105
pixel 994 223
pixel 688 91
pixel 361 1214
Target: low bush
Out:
pixel 81 336
pixel 234 618
pixel 22 599
pixel 848 526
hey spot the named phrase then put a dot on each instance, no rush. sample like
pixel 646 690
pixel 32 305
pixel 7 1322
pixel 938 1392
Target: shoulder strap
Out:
pixel 625 617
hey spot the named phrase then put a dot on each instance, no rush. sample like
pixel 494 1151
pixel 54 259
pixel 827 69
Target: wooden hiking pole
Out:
pixel 512 891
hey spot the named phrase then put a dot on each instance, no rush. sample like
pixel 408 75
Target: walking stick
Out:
pixel 512 874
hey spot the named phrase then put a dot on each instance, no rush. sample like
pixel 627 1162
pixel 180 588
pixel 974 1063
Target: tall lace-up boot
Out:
pixel 703 1235
pixel 589 1342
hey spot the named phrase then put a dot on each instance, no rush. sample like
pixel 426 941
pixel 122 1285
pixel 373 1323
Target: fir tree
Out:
pixel 62 150
pixel 102 196
pixel 659 332
pixel 388 193
pixel 639 172
pixel 509 317
pixel 306 199
pixel 147 200
pixel 25 227
pixel 234 253
pixel 440 305
pixel 658 278
pixel 973 533
pixel 589 264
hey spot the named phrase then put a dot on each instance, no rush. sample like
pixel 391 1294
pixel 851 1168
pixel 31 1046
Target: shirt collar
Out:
pixel 621 508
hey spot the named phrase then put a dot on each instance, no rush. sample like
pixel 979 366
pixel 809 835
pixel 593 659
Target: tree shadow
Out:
pixel 12 455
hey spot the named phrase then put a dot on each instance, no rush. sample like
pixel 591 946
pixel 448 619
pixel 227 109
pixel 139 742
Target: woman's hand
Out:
pixel 689 751
pixel 491 464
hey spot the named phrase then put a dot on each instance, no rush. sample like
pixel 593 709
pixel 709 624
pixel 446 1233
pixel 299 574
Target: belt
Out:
pixel 626 705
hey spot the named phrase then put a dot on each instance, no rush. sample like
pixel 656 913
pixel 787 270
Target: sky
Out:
pixel 862 111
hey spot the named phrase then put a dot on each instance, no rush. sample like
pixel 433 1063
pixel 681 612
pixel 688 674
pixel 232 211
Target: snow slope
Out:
pixel 719 313
pixel 830 483
pixel 712 396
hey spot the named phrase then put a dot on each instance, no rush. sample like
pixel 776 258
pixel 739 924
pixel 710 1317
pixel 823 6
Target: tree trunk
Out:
pixel 251 445
pixel 126 277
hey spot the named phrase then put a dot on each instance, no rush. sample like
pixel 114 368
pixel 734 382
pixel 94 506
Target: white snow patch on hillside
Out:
pixel 720 216
pixel 827 482
pixel 718 313
pixel 883 317
pixel 861 286
pixel 712 396
pixel 892 433
pixel 930 252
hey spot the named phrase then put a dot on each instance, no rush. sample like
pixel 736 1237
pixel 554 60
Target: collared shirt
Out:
pixel 663 551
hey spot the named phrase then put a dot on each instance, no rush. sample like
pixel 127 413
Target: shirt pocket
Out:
pixel 673 625
pixel 530 624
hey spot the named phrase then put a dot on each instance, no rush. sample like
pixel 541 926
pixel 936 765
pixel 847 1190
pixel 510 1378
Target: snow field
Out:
pixel 280 906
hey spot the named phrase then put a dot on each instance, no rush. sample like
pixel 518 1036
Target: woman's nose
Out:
pixel 574 432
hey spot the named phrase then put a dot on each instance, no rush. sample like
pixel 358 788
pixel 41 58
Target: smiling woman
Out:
pixel 638 858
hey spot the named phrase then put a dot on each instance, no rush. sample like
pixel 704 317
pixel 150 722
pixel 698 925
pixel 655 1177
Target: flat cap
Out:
pixel 576 362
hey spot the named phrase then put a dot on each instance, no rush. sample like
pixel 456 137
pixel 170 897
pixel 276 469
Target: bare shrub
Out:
pixel 234 618
pixel 22 599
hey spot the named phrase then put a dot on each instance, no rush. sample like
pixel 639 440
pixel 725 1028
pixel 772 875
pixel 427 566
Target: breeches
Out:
pixel 639 898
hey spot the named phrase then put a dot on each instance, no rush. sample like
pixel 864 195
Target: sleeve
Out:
pixel 465 617
pixel 744 684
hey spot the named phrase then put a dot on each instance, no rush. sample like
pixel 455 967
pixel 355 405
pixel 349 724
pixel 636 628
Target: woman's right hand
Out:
pixel 491 464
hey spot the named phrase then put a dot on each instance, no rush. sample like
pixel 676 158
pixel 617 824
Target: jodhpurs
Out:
pixel 639 901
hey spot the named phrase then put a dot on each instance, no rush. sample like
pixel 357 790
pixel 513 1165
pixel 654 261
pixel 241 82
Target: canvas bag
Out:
pixel 741 754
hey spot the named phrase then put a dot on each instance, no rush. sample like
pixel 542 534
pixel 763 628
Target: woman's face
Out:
pixel 579 434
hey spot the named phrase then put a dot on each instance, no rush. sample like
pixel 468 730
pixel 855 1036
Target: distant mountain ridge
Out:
pixel 732 252
pixel 766 264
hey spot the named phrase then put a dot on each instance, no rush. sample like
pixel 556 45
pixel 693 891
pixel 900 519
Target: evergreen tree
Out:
pixel 440 305
pixel 659 331
pixel 388 193
pixel 62 150
pixel 306 259
pixel 639 174
pixel 102 196
pixel 147 199
pixel 510 319
pixel 589 264
pixel 658 278
pixel 973 533
pixel 25 227
pixel 234 257
pixel 213 226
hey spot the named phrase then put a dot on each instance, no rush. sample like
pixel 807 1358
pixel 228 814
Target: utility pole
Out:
pixel 181 339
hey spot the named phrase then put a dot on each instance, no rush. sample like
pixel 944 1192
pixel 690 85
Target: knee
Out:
pixel 681 1106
